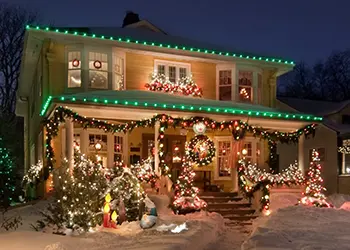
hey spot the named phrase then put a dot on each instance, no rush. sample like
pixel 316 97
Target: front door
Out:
pixel 174 150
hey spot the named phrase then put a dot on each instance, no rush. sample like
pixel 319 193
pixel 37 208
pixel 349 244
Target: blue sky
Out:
pixel 301 30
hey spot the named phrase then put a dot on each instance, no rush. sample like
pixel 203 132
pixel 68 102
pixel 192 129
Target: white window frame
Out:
pixel 226 67
pixel 254 141
pixel 218 139
pixel 69 50
pixel 255 86
pixel 109 61
pixel 120 54
pixel 84 143
pixel 177 65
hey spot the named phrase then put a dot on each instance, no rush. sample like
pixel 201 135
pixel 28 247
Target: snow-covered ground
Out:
pixel 304 228
pixel 205 231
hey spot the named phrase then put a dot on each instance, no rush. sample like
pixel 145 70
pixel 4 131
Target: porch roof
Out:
pixel 156 101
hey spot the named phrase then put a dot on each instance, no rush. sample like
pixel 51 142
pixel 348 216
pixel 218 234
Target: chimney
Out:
pixel 130 18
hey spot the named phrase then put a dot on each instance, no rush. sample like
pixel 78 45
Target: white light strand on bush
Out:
pixel 33 174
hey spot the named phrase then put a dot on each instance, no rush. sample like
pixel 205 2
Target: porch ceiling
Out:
pixel 137 105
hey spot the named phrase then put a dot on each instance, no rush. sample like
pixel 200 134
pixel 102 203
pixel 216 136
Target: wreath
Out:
pixel 97 64
pixel 76 63
pixel 201 150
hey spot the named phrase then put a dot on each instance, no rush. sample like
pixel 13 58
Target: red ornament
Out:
pixel 75 63
pixel 97 64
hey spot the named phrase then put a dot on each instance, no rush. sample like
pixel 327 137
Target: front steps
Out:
pixel 232 207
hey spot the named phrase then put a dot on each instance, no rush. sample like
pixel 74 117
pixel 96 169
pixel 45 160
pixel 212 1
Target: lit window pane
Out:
pixel 118 82
pixel 224 156
pixel 225 93
pixel 225 85
pixel 245 86
pixel 98 70
pixel 161 69
pixel 74 69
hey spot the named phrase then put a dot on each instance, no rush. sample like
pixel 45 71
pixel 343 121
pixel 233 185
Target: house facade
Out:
pixel 332 133
pixel 101 74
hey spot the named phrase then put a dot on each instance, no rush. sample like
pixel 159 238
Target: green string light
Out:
pixel 147 43
pixel 192 107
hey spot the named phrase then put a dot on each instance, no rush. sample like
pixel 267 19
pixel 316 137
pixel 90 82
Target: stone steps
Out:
pixel 232 207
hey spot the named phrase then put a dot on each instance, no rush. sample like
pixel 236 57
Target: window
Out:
pixel 346 163
pixel 245 86
pixel 225 85
pixel 252 149
pixel 224 158
pixel 98 148
pixel 74 69
pixel 321 154
pixel 98 70
pixel 118 71
pixel 174 71
pixel 118 149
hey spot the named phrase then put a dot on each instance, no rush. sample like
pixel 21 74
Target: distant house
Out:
pixel 331 134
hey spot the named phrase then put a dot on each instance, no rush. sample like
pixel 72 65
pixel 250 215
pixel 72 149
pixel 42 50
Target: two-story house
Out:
pixel 101 74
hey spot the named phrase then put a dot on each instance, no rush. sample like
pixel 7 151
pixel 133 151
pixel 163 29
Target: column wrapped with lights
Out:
pixel 314 190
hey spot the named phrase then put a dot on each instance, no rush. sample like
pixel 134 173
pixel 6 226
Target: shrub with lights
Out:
pixel 184 86
pixel 252 179
pixel 79 196
pixel 7 176
pixel 314 190
pixel 144 171
pixel 31 179
pixel 128 194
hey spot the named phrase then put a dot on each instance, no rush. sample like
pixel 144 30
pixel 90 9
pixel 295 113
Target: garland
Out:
pixel 252 179
pixel 201 144
pixel 236 126
pixel 185 86
pixel 345 149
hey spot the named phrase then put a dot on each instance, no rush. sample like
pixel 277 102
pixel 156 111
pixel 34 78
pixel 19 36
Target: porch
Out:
pixel 143 141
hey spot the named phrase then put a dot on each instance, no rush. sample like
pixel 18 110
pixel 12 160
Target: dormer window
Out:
pixel 74 69
pixel 98 70
pixel 172 70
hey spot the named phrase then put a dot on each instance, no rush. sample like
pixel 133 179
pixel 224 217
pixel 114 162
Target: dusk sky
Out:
pixel 300 29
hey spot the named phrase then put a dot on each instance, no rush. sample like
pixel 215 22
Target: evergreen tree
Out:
pixel 126 191
pixel 7 176
pixel 314 191
pixel 186 198
pixel 79 195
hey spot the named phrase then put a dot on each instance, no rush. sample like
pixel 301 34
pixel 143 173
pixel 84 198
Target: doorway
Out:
pixel 174 150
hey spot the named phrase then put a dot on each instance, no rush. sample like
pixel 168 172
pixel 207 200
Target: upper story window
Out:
pixel 172 70
pixel 238 84
pixel 98 70
pixel 91 68
pixel 245 86
pixel 118 71
pixel 225 85
pixel 346 119
pixel 74 69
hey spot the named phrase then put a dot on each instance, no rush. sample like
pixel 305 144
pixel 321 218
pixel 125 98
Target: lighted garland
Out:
pixel 184 86
pixel 201 150
pixel 252 179
pixel 238 128
pixel 345 149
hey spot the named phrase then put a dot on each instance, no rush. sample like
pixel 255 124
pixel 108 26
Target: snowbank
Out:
pixel 300 227
pixel 203 229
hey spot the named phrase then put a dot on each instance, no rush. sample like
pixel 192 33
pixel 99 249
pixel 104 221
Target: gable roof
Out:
pixel 157 39
pixel 157 100
pixel 146 24
pixel 321 108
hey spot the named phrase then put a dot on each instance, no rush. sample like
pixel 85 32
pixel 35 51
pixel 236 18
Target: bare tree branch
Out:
pixel 12 28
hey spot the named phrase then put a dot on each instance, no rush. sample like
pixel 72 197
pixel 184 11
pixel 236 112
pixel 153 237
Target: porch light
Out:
pixel 98 146
pixel 244 152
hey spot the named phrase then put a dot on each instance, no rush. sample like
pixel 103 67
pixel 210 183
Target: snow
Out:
pixel 203 229
pixel 301 227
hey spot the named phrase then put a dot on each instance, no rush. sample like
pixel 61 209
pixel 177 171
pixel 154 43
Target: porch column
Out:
pixel 156 151
pixel 69 143
pixel 84 141
pixel 301 153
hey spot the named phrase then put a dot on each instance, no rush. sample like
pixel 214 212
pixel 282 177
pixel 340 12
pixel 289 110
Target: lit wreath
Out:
pixel 76 63
pixel 201 150
pixel 97 64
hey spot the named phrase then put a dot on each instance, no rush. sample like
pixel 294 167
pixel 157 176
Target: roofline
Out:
pixel 190 108
pixel 250 57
